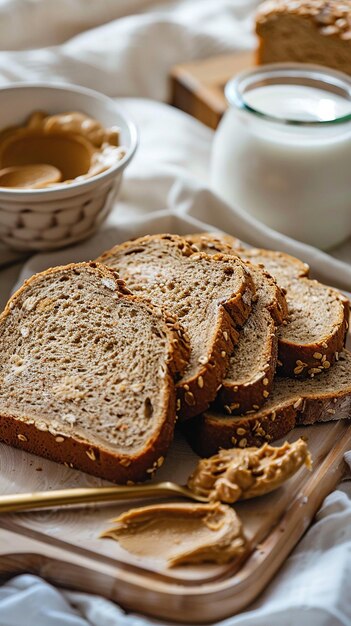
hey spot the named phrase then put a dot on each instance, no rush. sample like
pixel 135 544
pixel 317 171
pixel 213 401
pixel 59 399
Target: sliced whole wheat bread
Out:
pixel 292 402
pixel 252 365
pixel 210 295
pixel 315 330
pixel 88 373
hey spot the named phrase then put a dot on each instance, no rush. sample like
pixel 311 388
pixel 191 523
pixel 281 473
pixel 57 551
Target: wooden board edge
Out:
pixel 197 87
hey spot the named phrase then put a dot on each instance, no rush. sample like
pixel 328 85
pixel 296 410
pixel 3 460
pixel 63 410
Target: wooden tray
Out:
pixel 198 87
pixel 63 546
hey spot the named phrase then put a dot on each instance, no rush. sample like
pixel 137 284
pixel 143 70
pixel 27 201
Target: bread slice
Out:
pixel 210 295
pixel 314 332
pixel 292 402
pixel 282 266
pixel 252 365
pixel 313 31
pixel 87 373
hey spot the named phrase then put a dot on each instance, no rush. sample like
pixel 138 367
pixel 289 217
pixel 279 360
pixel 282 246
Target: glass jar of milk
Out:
pixel 282 151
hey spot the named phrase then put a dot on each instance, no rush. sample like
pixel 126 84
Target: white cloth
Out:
pixel 165 189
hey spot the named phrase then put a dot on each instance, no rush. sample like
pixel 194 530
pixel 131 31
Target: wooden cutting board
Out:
pixel 62 545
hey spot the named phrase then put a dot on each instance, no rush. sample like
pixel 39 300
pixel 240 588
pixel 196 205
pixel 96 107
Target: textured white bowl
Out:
pixel 47 219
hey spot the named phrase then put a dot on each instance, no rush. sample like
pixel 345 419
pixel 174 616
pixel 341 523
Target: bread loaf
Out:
pixel 306 31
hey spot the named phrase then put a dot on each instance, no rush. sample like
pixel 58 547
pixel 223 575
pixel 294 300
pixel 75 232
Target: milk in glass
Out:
pixel 282 151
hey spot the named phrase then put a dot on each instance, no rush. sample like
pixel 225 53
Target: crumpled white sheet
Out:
pixel 165 189
pixel 129 56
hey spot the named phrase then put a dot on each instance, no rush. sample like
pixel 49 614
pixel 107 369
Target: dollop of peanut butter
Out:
pixel 181 534
pixel 197 533
pixel 238 474
pixel 75 145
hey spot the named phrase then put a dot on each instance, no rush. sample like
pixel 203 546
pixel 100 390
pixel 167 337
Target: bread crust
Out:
pixel 321 14
pixel 73 449
pixel 196 392
pixel 241 398
pixel 191 399
pixel 207 435
pixel 211 243
pixel 298 359
pixel 319 31
pixel 212 431
pixel 232 314
pixel 296 267
pixel 235 397
pixel 86 456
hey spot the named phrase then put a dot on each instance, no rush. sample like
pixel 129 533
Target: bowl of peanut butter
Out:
pixel 63 151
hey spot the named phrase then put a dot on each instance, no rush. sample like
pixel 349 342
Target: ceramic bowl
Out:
pixel 51 218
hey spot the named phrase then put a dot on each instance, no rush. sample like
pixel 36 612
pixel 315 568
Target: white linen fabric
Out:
pixel 126 54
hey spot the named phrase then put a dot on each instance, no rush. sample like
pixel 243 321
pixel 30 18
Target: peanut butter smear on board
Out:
pixel 194 533
pixel 56 150
pixel 181 533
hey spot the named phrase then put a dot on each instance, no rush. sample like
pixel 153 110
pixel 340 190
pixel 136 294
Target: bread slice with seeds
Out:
pixel 252 365
pixel 88 373
pixel 210 295
pixel 292 402
pixel 315 330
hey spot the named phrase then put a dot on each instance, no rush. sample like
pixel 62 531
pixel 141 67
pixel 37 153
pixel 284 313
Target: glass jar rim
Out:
pixel 305 74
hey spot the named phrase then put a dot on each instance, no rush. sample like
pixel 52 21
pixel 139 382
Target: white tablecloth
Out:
pixel 165 189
